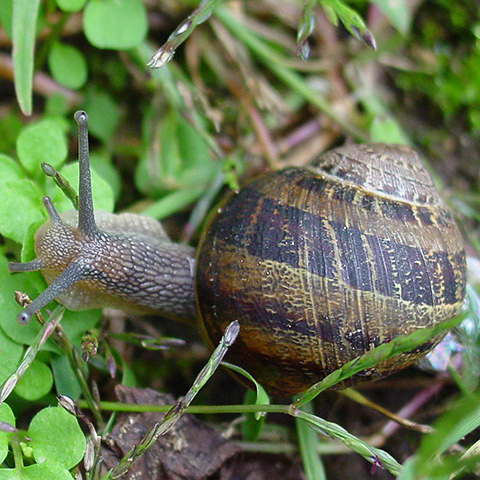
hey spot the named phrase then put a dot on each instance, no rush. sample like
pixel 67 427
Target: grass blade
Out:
pixel 24 25
pixel 308 444
pixel 400 344
pixel 376 456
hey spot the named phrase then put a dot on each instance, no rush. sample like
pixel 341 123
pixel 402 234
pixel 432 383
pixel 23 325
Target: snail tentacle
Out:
pixel 86 216
pixel 53 215
pixel 71 275
pixel 31 266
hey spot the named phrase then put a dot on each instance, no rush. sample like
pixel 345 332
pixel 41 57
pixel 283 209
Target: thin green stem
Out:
pixel 328 429
pixel 17 452
pixel 195 409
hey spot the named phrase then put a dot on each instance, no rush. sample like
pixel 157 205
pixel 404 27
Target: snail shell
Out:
pixel 321 264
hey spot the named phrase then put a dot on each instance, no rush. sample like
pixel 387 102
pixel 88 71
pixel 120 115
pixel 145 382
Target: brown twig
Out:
pixel 43 84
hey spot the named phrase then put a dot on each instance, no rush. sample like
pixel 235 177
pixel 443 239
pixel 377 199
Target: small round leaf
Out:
pixel 71 5
pixel 56 436
pixel 44 141
pixel 10 355
pixel 115 24
pixel 10 169
pixel 102 114
pixel 36 382
pixel 20 207
pixel 67 65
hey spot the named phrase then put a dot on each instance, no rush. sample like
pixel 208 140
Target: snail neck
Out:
pixel 134 268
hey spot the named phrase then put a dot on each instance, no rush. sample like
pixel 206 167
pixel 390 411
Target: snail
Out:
pixel 318 264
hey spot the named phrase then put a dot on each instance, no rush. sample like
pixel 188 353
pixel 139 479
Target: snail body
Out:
pixel 318 264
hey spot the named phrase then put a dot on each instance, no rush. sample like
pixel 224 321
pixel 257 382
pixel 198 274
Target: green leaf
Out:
pixel 102 164
pixel 71 5
pixel 6 416
pixel 75 324
pixel 253 423
pixel 10 354
pixel 66 382
pixel 45 471
pixel 387 130
pixel 56 106
pixel 115 24
pixel 24 334
pixel 67 65
pixel 6 10
pixel 261 395
pixel 103 115
pixel 20 207
pixel 10 169
pixel 398 14
pixel 56 436
pixel 36 382
pixel 350 18
pixel 173 202
pixel 181 159
pixel 451 427
pixel 330 14
pixel 434 460
pixel 24 23
pixel 44 141
pixel 10 127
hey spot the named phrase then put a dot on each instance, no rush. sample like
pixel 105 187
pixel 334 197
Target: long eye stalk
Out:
pixel 86 217
pixel 71 275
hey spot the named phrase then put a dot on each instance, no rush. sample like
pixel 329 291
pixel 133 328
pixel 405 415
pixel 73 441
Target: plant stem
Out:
pixel 195 409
